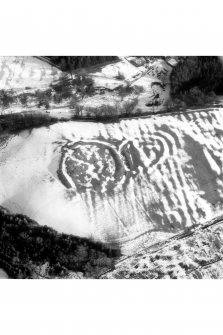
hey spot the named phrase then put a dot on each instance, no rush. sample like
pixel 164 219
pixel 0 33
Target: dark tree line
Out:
pixel 70 63
pixel 203 72
pixel 26 246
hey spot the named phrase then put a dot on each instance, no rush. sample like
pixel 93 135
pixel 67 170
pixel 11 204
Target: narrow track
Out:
pixel 162 245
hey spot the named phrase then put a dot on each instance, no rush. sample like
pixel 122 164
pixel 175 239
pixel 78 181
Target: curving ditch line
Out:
pixel 69 149
pixel 147 162
pixel 128 158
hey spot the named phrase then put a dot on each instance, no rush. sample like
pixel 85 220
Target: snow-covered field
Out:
pixel 17 73
pixel 134 182
pixel 169 168
pixel 27 75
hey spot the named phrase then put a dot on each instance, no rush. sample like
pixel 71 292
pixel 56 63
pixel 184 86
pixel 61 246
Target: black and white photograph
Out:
pixel 111 167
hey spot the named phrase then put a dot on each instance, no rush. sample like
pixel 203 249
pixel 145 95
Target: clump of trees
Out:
pixel 124 91
pixel 66 88
pixel 193 97
pixel 26 248
pixel 102 112
pixel 203 72
pixel 43 98
pixel 74 89
pixel 84 85
pixel 71 63
pixel 23 98
pixel 196 80
pixel 112 112
pixel 21 121
pixel 6 98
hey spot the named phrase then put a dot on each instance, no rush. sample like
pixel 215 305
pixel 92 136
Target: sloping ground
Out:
pixel 20 73
pixel 118 89
pixel 129 184
pixel 28 250
pixel 196 254
pixel 126 183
